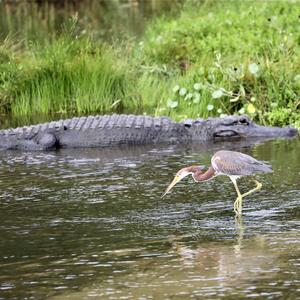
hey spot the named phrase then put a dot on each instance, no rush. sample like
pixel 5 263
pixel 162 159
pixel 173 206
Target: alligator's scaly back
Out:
pixel 102 131
pixel 93 131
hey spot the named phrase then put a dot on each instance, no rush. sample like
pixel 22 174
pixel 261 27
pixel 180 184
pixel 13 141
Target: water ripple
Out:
pixel 82 223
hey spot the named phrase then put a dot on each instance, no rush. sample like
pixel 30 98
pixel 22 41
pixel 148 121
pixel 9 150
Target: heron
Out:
pixel 229 163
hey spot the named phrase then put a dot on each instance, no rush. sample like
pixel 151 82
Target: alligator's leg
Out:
pixel 47 141
pixel 43 141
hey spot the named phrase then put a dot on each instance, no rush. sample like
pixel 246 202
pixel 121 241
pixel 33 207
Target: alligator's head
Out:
pixel 234 127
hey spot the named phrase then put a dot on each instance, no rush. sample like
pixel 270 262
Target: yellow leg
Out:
pixel 237 206
pixel 258 187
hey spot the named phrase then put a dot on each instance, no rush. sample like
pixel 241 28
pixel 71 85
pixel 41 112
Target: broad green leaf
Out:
pixel 297 77
pixel 210 107
pixel 197 86
pixel 188 96
pixel 253 68
pixel 251 108
pixel 176 88
pixel 182 91
pixel 172 104
pixel 242 111
pixel 217 94
pixel 274 104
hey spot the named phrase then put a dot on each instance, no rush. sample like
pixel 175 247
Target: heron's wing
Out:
pixel 236 163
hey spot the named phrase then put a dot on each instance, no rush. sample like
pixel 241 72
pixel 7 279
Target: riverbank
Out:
pixel 213 59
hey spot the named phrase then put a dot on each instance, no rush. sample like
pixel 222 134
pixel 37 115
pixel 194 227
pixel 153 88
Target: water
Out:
pixel 90 224
pixel 105 19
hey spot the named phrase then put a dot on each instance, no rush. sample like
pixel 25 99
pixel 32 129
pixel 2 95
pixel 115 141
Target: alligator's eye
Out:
pixel 188 125
pixel 243 121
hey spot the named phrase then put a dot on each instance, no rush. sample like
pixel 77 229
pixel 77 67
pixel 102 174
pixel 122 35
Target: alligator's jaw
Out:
pixel 268 131
pixel 243 127
pixel 253 131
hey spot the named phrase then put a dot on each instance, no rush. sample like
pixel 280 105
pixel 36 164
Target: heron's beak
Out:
pixel 175 180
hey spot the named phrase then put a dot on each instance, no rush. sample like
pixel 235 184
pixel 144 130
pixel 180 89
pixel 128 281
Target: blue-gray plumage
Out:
pixel 236 163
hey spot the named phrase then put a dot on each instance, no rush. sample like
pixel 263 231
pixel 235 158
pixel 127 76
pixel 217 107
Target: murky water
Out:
pixel 90 223
pixel 105 19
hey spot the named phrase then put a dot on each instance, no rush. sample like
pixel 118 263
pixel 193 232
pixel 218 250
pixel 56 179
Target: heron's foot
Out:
pixel 258 185
pixel 237 206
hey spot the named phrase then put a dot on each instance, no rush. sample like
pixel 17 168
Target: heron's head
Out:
pixel 182 173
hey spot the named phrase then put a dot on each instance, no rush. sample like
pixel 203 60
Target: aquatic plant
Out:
pixel 243 57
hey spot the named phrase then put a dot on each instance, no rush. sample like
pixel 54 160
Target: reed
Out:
pixel 66 76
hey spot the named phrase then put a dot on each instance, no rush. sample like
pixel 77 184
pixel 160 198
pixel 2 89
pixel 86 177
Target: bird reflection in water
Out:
pixel 226 261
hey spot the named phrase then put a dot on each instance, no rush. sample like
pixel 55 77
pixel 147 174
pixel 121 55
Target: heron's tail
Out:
pixel 263 168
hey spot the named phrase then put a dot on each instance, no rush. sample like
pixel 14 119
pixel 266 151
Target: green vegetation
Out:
pixel 214 58
pixel 237 57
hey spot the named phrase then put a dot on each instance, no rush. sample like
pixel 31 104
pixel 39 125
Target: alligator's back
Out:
pixel 94 131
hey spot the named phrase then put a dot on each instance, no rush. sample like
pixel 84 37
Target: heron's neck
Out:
pixel 199 176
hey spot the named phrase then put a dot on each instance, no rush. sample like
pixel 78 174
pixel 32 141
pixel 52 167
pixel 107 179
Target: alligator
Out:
pixel 110 130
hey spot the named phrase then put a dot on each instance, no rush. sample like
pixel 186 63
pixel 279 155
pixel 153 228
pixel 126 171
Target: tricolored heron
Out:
pixel 230 163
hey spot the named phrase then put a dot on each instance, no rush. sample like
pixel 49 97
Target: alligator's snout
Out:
pixel 291 131
pixel 242 126
pixel 268 131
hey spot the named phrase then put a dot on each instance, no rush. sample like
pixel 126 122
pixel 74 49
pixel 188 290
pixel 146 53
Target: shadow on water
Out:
pixel 87 223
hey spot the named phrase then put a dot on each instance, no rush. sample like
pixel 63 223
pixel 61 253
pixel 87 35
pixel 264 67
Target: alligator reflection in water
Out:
pixel 90 222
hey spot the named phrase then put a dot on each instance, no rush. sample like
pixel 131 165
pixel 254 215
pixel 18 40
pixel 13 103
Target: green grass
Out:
pixel 66 76
pixel 247 50
pixel 215 58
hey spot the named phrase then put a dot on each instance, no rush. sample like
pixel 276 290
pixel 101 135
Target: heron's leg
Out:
pixel 258 187
pixel 237 206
